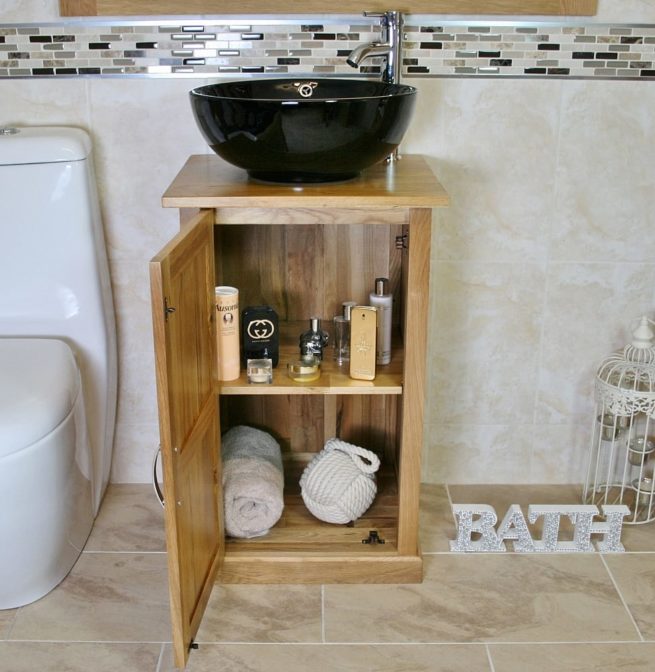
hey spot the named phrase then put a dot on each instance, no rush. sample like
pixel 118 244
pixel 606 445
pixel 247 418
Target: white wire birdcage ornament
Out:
pixel 621 467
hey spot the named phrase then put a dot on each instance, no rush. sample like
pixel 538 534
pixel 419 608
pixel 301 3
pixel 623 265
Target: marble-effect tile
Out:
pixel 239 613
pixel 474 598
pixel 330 658
pixel 106 597
pixel 6 620
pixel 573 657
pixel 635 577
pixel 78 657
pixel 130 519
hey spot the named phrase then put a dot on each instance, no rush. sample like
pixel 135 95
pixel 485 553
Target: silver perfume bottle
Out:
pixel 314 340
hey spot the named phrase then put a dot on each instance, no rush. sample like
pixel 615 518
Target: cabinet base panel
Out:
pixel 238 568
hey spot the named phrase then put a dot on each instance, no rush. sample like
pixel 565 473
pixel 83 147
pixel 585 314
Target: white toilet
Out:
pixel 57 358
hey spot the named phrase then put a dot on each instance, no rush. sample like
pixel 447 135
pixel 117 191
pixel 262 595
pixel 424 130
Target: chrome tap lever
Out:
pixel 389 45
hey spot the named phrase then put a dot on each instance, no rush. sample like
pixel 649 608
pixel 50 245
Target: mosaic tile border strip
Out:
pixel 303 47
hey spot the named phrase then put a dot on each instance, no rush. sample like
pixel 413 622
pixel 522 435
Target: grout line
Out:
pixel 322 614
pixel 86 641
pixel 489 658
pixel 161 657
pixel 620 594
pixel 124 552
pixel 10 627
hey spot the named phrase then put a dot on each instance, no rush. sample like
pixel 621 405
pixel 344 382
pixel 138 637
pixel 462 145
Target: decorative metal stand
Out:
pixel 622 455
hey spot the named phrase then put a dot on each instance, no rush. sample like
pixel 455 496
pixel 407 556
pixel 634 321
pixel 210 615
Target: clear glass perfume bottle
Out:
pixel 342 333
pixel 314 340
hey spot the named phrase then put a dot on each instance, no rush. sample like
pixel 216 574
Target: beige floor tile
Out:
pixel 573 657
pixel 635 577
pixel 106 597
pixel 6 619
pixel 67 657
pixel 239 613
pixel 639 538
pixel 130 519
pixel 335 658
pixel 436 519
pixel 490 597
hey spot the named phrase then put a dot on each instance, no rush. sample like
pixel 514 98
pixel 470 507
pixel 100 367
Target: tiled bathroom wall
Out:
pixel 545 257
pixel 301 47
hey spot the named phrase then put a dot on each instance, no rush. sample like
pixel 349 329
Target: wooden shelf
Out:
pixel 299 539
pixel 334 379
pixel 211 7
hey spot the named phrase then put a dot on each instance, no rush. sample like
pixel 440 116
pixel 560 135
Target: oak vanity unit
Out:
pixel 302 250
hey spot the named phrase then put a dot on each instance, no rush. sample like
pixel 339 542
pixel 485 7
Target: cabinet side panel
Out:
pixel 414 376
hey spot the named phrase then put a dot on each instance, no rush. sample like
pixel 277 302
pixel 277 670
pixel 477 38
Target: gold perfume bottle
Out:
pixel 363 327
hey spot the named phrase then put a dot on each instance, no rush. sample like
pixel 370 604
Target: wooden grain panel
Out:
pixel 163 7
pixel 415 333
pixel 182 278
pixel 310 216
pixel 321 568
pixel 206 181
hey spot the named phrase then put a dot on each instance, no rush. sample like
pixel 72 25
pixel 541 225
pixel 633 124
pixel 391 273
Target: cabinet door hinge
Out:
pixel 402 242
pixel 168 310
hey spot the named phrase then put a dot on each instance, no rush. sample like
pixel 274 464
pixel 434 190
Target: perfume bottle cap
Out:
pixel 315 324
pixel 347 308
pixel 381 286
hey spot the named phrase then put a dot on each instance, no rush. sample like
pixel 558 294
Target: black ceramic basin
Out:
pixel 303 130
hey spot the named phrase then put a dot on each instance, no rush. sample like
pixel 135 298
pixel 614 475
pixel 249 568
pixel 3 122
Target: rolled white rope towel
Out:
pixel 338 485
pixel 253 481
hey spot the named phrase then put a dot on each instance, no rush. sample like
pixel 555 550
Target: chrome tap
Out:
pixel 390 46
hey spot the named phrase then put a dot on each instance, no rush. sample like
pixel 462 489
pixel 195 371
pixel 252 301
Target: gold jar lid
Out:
pixel 304 369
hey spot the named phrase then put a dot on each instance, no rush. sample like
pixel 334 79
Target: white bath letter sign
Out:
pixel 514 528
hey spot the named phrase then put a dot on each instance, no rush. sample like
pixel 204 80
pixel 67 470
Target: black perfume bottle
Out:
pixel 313 341
pixel 259 334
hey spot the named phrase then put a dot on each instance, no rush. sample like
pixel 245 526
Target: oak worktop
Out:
pixel 206 181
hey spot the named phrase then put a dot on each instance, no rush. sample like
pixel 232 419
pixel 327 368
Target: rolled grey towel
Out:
pixel 253 481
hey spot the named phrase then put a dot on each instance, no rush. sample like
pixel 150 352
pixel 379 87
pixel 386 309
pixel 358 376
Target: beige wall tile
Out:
pixel 77 657
pixel 106 597
pixel 603 210
pixel 560 452
pixel 485 335
pixel 588 314
pixel 477 453
pixel 490 597
pixel 136 380
pixel 140 152
pixel 496 157
pixel 29 10
pixel 572 657
pixel 130 519
pixel 237 613
pixel 134 451
pixel 436 523
pixel 45 102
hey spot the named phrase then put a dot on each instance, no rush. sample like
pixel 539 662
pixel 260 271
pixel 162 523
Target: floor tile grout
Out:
pixel 620 594
pixel 323 614
pixel 161 657
pixel 489 658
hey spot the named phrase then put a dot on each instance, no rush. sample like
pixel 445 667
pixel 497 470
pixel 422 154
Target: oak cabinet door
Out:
pixel 182 285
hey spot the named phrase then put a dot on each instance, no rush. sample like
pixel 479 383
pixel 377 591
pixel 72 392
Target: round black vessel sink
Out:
pixel 303 130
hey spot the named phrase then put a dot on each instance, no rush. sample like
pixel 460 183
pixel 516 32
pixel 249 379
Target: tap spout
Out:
pixel 358 54
pixel 389 46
